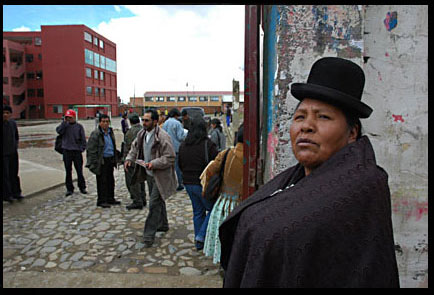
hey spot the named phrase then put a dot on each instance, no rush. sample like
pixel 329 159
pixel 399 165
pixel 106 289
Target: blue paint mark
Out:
pixel 272 63
pixel 248 142
pixel 391 20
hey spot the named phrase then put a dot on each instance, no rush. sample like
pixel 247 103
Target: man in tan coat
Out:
pixel 153 151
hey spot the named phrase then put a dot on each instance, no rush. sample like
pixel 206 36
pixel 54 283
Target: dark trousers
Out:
pixel 137 191
pixel 11 180
pixel 70 157
pixel 105 182
pixel 157 216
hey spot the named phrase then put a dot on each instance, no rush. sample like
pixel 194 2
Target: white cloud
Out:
pixel 162 50
pixel 21 29
pixel 117 8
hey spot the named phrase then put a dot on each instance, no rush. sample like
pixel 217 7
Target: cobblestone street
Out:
pixel 64 234
pixel 49 234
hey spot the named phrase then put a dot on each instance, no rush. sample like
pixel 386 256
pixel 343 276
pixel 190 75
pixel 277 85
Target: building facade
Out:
pixel 210 101
pixel 61 67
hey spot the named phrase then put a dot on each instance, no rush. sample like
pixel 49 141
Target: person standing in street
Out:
pixel 137 191
pixel 102 157
pixel 228 115
pixel 174 128
pixel 216 134
pixel 11 181
pixel 124 124
pixel 73 144
pixel 194 155
pixel 153 148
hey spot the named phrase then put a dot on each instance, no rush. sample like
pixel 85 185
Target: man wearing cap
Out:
pixel 11 181
pixel 73 144
pixel 137 191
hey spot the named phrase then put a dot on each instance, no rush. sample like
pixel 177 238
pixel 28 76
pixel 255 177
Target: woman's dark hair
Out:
pixel 240 133
pixel 352 120
pixel 218 124
pixel 134 119
pixel 174 112
pixel 197 131
pixel 103 116
pixel 154 114
pixel 7 107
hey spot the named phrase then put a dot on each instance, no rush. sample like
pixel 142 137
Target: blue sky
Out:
pixel 158 47
pixel 33 16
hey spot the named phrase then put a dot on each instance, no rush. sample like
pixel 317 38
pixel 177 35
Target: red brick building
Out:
pixel 60 67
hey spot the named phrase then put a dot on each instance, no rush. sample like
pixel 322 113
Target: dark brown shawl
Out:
pixel 333 228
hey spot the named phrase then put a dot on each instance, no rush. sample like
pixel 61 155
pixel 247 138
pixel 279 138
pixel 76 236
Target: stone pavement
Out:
pixel 58 234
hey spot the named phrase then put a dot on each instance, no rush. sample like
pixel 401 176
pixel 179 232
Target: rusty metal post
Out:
pixel 251 95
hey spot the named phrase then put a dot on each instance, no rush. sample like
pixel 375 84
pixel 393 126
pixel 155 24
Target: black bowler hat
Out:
pixel 336 81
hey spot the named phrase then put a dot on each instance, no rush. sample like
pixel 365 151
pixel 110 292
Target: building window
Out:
pixel 160 98
pixel 214 98
pixel 40 56
pixel 149 98
pixel 96 91
pixel 102 66
pixel 57 109
pixel 40 92
pixel 89 90
pixel 29 57
pixel 88 56
pixel 38 41
pixel 192 98
pixel 110 65
pixel 96 59
pixel 95 41
pixel 101 44
pixel 101 76
pixel 102 92
pixel 88 37
pixel 6 99
pixel 203 98
pixel 30 92
pixel 171 98
pixel 181 98
pixel 89 72
pixel 95 74
pixel 30 75
pixel 5 80
pixel 38 75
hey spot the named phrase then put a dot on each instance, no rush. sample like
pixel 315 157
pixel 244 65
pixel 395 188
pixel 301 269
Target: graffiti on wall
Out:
pixel 391 20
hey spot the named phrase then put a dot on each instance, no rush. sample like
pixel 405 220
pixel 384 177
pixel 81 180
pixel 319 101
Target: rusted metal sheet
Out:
pixel 251 94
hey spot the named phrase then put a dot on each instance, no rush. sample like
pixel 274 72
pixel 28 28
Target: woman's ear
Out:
pixel 354 131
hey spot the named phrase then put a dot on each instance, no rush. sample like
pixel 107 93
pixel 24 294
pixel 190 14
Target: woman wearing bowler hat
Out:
pixel 325 222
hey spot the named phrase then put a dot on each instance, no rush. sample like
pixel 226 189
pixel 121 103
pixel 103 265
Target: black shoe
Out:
pixel 68 193
pixel 148 244
pixel 114 202
pixel 8 199
pixel 199 245
pixel 164 229
pixel 133 206
pixel 19 197
pixel 179 188
pixel 104 205
pixel 83 191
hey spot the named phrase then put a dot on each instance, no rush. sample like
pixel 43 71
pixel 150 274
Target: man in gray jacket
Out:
pixel 153 151
pixel 73 144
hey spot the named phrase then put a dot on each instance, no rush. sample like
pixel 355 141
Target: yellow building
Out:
pixel 210 101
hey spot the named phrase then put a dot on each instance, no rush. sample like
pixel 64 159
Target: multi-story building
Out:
pixel 210 101
pixel 60 67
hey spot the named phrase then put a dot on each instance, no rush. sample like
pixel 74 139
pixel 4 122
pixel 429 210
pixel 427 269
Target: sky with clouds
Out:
pixel 159 47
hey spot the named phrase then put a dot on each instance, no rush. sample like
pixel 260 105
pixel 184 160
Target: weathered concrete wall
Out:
pixel 396 69
pixel 391 44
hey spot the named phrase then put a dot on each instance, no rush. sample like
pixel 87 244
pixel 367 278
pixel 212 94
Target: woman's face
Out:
pixel 317 132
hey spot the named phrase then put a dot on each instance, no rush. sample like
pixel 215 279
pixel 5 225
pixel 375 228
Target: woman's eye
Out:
pixel 324 117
